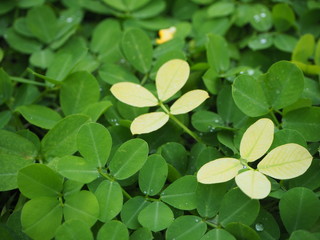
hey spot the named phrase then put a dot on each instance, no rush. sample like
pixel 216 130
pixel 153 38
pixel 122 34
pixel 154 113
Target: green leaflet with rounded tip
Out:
pixel 72 229
pixel 38 180
pixel 157 216
pixel 218 234
pixel 186 228
pixel 81 205
pixel 40 217
pixel 129 158
pixel 241 231
pixel 113 230
pixel 181 193
pixel 94 143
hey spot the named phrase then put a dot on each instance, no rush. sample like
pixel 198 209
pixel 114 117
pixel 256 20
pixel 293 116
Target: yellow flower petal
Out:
pixel 134 94
pixel 166 35
pixel 219 170
pixel 254 184
pixel 189 101
pixel 286 161
pixel 148 122
pixel 171 77
pixel 257 139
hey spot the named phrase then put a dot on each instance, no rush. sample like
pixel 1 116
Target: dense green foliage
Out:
pixel 70 167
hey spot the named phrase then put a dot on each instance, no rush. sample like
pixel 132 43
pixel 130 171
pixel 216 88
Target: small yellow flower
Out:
pixel 166 35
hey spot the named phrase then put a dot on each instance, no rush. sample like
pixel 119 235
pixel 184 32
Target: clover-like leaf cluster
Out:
pixel 283 162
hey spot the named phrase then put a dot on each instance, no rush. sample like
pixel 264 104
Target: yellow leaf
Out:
pixel 219 170
pixel 254 184
pixel 148 122
pixel 134 94
pixel 257 139
pixel 189 101
pixel 286 161
pixel 171 77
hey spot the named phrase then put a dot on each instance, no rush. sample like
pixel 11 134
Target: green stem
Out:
pixel 111 179
pixel 274 118
pixel 44 77
pixel 21 201
pixel 144 79
pixel 211 224
pixel 187 130
pixel 23 80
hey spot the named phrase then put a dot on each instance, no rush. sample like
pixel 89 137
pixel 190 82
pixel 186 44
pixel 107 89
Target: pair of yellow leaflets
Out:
pixel 170 78
pixel 283 162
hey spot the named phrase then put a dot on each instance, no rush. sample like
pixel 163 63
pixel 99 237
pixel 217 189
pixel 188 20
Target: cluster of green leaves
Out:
pixel 70 166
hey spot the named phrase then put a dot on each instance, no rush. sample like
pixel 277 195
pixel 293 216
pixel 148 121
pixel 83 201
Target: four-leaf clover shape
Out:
pixel 170 78
pixel 283 162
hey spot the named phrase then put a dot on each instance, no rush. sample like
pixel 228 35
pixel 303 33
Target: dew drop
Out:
pixel 216 121
pixel 263 15
pixel 69 19
pixel 259 227
pixel 244 167
pixel 250 72
pixel 257 18
pixel 197 220
pixel 144 192
pixel 263 41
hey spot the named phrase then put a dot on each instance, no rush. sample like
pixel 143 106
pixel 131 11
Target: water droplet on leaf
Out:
pixel 259 227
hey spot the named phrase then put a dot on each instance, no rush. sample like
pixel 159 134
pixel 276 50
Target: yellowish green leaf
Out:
pixel 219 170
pixel 134 94
pixel 148 122
pixel 254 184
pixel 189 101
pixel 171 77
pixel 257 139
pixel 286 161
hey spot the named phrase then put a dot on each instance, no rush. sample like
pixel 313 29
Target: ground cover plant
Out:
pixel 159 119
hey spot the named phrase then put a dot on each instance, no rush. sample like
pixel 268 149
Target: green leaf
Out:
pixel 5 117
pixel 266 226
pixel 237 207
pixel 72 229
pixel 77 169
pixel 20 43
pixel 304 49
pixel 176 155
pixel 95 110
pixel 6 86
pixel 78 91
pixel 61 139
pixel 261 41
pixel 218 234
pixel 131 210
pixel 40 217
pixel 113 230
pixel 156 216
pixel 220 9
pixel 81 205
pixel 186 228
pixel 311 90
pixel 304 120
pixel 137 48
pixel 42 58
pixel 109 195
pixel 283 16
pixel 209 198
pixel 112 74
pixel 181 194
pixel 129 158
pixel 218 53
pixel 306 207
pixel 42 22
pixel 260 18
pixel 285 42
pixel 38 180
pixel 283 84
pixel 10 165
pixel 285 136
pixel 39 115
pixel 16 145
pixel 206 121
pixel 211 80
pixel 141 234
pixel 94 143
pixel 241 231
pixel 249 96
pixel 301 234
pixel 153 175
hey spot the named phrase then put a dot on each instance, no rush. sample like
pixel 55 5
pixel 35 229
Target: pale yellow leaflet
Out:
pixel 148 122
pixel 189 101
pixel 257 139
pixel 171 77
pixel 286 161
pixel 134 94
pixel 219 170
pixel 254 184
